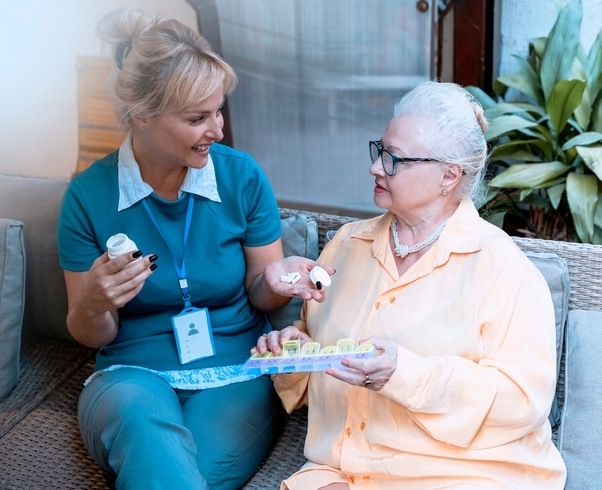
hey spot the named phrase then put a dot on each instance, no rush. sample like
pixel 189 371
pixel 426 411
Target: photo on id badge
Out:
pixel 192 330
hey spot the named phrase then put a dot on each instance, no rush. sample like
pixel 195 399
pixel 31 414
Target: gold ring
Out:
pixel 367 381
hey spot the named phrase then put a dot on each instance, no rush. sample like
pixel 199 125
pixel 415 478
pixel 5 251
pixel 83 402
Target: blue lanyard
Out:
pixel 181 270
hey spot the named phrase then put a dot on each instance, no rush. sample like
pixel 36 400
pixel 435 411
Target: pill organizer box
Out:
pixel 310 357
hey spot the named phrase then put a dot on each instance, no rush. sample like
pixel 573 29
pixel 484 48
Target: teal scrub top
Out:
pixel 215 263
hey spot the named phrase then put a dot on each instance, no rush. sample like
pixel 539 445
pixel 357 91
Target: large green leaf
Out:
pixel 546 148
pixel 555 194
pixel 564 99
pixel 506 124
pixel 533 109
pixel 582 196
pixel 532 80
pixel 537 46
pixel 594 68
pixel 583 112
pixel 561 47
pixel 547 141
pixel 592 157
pixel 583 139
pixel 506 108
pixel 540 131
pixel 511 156
pixel 528 175
pixel 555 182
pixel 519 150
pixel 521 82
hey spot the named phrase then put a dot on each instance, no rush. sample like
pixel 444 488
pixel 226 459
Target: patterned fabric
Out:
pixel 194 379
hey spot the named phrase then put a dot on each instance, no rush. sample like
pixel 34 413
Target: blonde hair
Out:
pixel 456 132
pixel 161 66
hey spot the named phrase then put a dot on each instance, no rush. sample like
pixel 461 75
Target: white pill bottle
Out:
pixel 119 244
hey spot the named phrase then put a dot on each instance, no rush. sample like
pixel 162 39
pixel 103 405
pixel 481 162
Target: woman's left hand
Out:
pixel 304 288
pixel 372 373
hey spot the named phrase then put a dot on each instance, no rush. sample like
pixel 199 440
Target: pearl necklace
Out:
pixel 402 250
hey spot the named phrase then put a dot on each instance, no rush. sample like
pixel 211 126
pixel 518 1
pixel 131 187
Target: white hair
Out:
pixel 456 134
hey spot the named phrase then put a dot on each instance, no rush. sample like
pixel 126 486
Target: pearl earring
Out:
pixel 444 192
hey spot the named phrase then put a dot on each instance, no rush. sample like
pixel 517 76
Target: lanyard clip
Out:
pixel 185 293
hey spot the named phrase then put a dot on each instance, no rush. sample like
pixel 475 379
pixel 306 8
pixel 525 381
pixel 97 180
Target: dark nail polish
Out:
pixel 137 253
pixel 319 285
pixel 152 267
pixel 153 257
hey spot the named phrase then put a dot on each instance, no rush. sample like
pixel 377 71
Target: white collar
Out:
pixel 199 181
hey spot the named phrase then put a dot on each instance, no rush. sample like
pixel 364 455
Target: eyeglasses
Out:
pixel 390 161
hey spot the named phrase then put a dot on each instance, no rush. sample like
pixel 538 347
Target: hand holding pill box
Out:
pixel 295 358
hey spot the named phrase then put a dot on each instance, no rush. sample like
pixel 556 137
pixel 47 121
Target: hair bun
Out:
pixel 480 116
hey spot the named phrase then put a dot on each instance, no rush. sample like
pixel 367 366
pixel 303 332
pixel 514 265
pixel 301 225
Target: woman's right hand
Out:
pixel 272 341
pixel 110 284
pixel 94 296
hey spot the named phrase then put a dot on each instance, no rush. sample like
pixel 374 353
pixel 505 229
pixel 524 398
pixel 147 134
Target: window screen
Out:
pixel 318 80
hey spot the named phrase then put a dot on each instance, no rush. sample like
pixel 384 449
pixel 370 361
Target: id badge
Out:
pixel 192 330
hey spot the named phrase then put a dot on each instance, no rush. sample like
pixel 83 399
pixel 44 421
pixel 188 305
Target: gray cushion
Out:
pixel 12 300
pixel 555 271
pixel 580 435
pixel 36 203
pixel 299 237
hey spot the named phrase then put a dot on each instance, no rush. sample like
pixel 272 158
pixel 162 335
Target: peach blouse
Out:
pixel 468 404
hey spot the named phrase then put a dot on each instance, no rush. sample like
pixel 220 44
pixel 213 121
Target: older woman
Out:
pixel 460 391
pixel 170 406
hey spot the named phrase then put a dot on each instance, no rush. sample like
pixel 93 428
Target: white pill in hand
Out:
pixel 319 276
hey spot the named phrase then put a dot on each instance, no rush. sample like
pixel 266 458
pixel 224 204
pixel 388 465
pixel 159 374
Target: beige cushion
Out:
pixel 36 203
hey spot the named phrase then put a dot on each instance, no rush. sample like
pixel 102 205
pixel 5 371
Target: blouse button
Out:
pixel 348 431
pixel 392 299
pixel 362 425
pixel 377 305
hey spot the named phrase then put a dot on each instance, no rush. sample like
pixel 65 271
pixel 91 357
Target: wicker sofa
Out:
pixel 40 445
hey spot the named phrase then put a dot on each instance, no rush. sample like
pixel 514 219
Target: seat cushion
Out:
pixel 12 300
pixel 580 435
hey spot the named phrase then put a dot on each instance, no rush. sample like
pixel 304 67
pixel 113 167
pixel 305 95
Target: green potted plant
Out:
pixel 545 132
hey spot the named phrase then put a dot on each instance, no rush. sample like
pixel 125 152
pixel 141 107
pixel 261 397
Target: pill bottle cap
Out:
pixel 319 274
pixel 119 244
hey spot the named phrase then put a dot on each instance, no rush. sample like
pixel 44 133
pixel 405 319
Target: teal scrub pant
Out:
pixel 154 437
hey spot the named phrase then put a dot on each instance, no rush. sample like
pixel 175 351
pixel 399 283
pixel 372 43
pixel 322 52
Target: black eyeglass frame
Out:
pixel 395 159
